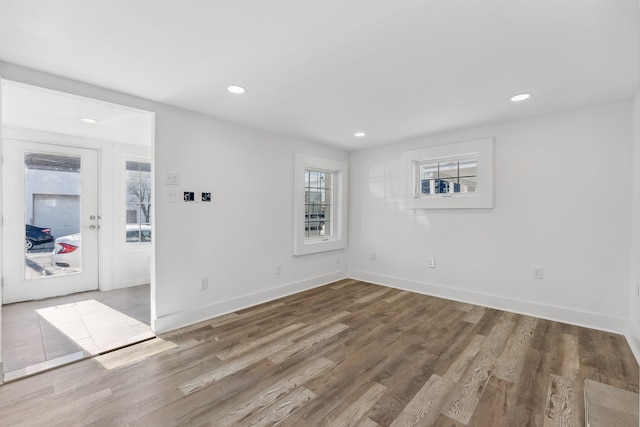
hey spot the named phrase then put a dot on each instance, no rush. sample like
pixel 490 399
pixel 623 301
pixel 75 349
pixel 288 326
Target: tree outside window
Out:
pixel 138 202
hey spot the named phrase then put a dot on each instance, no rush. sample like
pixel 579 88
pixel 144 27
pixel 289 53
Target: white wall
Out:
pixel 633 331
pixel 1 250
pixel 561 201
pixel 238 239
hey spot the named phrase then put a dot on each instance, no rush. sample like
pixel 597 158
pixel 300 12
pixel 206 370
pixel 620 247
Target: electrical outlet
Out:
pixel 189 196
pixel 537 273
pixel 638 288
pixel 432 263
pixel 172 178
pixel 373 256
pixel 204 283
pixel 337 260
pixel 278 269
pixel 206 197
pixel 172 195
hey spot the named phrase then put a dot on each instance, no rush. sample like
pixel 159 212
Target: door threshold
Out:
pixel 48 365
pixel 44 366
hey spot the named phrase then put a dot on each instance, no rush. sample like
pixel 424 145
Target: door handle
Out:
pixel 91 227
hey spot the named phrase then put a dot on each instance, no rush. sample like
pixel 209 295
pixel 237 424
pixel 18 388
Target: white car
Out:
pixel 67 253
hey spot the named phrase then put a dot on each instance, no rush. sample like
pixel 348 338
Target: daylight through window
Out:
pixel 318 199
pixel 454 175
pixel 319 204
pixel 138 202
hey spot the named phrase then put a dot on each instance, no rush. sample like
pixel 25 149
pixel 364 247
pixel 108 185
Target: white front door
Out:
pixel 49 192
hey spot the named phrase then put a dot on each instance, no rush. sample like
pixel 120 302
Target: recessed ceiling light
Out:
pixel 236 89
pixel 359 134
pixel 89 120
pixel 520 97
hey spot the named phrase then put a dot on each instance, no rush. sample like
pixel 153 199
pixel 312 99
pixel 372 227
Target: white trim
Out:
pixel 481 149
pixel 338 240
pixel 559 314
pixel 185 318
pixel 633 339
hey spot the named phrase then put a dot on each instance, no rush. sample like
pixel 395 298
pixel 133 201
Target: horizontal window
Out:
pixel 451 176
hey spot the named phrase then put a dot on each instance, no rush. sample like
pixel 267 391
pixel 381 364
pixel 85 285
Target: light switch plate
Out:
pixel 172 178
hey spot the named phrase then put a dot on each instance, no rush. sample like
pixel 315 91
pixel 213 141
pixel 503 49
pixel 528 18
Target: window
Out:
pixel 138 202
pixel 451 176
pixel 320 208
pixel 318 203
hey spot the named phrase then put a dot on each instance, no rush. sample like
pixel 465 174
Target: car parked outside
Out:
pixel 66 252
pixel 36 236
pixel 138 233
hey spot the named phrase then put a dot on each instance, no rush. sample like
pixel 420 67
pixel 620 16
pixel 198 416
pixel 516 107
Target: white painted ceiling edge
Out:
pixel 324 70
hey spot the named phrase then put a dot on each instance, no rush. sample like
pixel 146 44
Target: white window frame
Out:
pixel 482 198
pixel 302 245
pixel 125 243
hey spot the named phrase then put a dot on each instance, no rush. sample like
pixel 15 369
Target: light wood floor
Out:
pixel 348 353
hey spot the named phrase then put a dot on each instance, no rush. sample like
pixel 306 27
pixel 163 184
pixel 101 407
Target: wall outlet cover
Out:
pixel 537 273
pixel 172 178
pixel 172 196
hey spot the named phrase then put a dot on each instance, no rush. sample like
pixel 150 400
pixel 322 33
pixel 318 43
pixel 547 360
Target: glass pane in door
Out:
pixel 52 214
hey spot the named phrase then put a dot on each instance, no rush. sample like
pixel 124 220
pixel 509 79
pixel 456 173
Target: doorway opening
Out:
pixel 76 280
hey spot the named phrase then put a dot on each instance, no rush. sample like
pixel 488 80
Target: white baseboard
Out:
pixel 559 314
pixel 185 318
pixel 633 338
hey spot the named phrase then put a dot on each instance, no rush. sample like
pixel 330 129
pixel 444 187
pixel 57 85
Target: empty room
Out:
pixel 336 213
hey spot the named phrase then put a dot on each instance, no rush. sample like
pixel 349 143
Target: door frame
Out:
pixel 16 287
pixel 42 82
pixel 110 154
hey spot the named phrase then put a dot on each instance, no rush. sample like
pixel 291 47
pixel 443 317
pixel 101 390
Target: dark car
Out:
pixel 37 236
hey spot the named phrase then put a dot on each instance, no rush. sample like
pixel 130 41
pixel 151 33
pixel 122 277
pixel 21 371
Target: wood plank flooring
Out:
pixel 345 354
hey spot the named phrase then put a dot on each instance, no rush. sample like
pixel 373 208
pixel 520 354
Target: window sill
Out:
pixel 313 246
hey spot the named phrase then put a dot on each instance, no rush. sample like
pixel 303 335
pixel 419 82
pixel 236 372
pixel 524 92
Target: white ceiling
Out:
pixel 29 107
pixel 322 70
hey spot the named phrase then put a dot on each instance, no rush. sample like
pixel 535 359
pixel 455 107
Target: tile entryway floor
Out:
pixel 37 335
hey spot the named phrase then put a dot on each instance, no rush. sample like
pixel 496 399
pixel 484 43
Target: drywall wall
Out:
pixel 561 202
pixel 633 330
pixel 238 239
pixel 1 249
